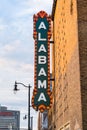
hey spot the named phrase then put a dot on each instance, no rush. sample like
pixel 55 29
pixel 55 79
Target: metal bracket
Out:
pixel 52 79
pixel 52 42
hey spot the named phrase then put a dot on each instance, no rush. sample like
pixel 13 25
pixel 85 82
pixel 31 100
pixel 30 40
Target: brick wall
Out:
pixel 69 67
pixel 82 34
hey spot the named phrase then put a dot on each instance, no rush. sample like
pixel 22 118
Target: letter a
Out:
pixel 42 25
pixel 42 48
pixel 42 97
pixel 42 72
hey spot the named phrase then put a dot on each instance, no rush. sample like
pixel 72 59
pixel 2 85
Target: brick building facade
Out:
pixel 69 111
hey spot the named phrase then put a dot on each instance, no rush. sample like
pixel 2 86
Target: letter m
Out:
pixel 42 84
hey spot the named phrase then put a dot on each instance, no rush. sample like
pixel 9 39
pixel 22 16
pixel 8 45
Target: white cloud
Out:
pixel 3 27
pixel 10 47
pixel 25 12
pixel 26 67
pixel 14 66
pixel 40 3
pixel 34 6
pixel 0 80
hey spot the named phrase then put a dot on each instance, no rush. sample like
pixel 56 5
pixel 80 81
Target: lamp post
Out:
pixel 31 121
pixel 16 89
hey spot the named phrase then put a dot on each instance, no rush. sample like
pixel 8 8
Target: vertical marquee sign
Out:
pixel 42 96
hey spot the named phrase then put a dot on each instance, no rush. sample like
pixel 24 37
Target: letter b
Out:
pixel 41 59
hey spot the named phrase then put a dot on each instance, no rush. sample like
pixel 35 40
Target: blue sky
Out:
pixel 17 51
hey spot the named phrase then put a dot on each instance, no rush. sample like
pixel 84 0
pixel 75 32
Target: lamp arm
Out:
pixel 22 84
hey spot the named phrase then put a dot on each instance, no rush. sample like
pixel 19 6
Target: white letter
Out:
pixel 42 48
pixel 42 97
pixel 39 37
pixel 41 84
pixel 41 59
pixel 42 25
pixel 42 72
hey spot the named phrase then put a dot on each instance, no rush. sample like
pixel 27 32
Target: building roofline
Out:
pixel 53 9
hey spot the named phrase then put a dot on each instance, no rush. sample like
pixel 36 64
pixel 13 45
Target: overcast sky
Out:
pixel 17 51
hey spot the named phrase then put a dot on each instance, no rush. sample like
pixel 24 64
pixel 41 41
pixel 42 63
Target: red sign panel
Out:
pixel 6 114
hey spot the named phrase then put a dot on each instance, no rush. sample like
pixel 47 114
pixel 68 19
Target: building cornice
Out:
pixel 53 9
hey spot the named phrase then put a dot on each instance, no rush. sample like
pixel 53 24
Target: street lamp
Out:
pixel 31 122
pixel 16 89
